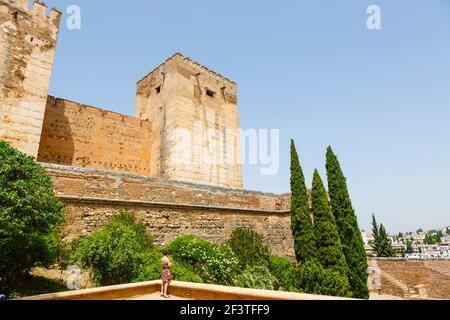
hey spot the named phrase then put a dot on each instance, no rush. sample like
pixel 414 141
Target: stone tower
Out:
pixel 195 123
pixel 27 47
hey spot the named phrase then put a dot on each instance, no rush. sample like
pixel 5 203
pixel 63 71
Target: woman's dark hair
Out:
pixel 165 252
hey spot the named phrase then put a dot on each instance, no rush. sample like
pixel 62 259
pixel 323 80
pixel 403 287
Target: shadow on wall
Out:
pixel 87 137
pixel 57 140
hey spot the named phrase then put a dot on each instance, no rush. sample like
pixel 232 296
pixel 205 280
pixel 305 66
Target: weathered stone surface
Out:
pixel 89 183
pixel 192 129
pixel 170 209
pixel 27 48
pixel 83 136
pixel 178 290
pixel 186 129
pixel 195 123
pixel 410 278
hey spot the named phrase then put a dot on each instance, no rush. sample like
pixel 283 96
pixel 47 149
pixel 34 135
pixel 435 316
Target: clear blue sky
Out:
pixel 310 68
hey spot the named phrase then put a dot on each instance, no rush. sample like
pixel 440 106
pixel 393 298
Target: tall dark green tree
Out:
pixel 302 227
pixel 409 247
pixel 385 244
pixel 375 232
pixel 382 245
pixel 347 224
pixel 329 248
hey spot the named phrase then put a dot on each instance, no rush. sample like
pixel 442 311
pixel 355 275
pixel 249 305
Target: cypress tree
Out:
pixel 385 244
pixel 347 224
pixel 376 238
pixel 301 224
pixel 329 248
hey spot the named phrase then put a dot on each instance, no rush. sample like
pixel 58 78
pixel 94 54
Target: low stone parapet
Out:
pixel 185 290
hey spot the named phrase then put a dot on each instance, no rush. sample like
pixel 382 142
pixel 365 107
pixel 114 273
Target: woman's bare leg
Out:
pixel 166 288
pixel 162 289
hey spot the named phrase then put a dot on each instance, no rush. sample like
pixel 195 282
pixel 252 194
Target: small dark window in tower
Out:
pixel 210 93
pixel 158 90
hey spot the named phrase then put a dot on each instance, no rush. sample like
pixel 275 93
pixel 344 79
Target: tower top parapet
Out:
pixel 39 10
pixel 182 57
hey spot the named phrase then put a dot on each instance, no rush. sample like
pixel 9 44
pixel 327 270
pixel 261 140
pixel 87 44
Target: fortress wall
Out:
pixel 27 47
pixel 195 115
pixel 88 137
pixel 410 278
pixel 170 209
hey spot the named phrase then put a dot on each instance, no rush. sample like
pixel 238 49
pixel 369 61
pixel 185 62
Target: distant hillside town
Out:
pixel 433 244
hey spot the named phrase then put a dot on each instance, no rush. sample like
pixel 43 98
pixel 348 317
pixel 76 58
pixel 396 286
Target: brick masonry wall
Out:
pixel 170 209
pixel 88 137
pixel 401 277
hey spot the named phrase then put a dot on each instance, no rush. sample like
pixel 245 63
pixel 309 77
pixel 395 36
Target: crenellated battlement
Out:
pixel 182 94
pixel 39 10
pixel 67 105
pixel 180 57
pixel 28 37
pixel 178 95
pixel 83 136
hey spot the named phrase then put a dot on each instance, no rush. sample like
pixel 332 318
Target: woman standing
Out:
pixel 166 276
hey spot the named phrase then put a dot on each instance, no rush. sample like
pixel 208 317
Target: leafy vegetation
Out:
pixel 432 239
pixel 312 278
pixel 301 224
pixel 376 237
pixel 308 277
pixel 151 269
pixel 329 248
pixel 347 224
pixel 282 270
pixel 327 242
pixel 213 263
pixel 385 249
pixel 116 252
pixel 256 277
pixel 409 247
pixel 123 252
pixel 30 215
pixel 249 248
pixel 381 244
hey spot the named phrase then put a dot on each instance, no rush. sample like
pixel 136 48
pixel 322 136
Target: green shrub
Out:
pixel 190 249
pixel 256 277
pixel 249 248
pixel 221 267
pixel 29 216
pixel 151 269
pixel 282 270
pixel 149 266
pixel 215 264
pixel 183 272
pixel 308 277
pixel 115 253
pixel 313 279
pixel 334 284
